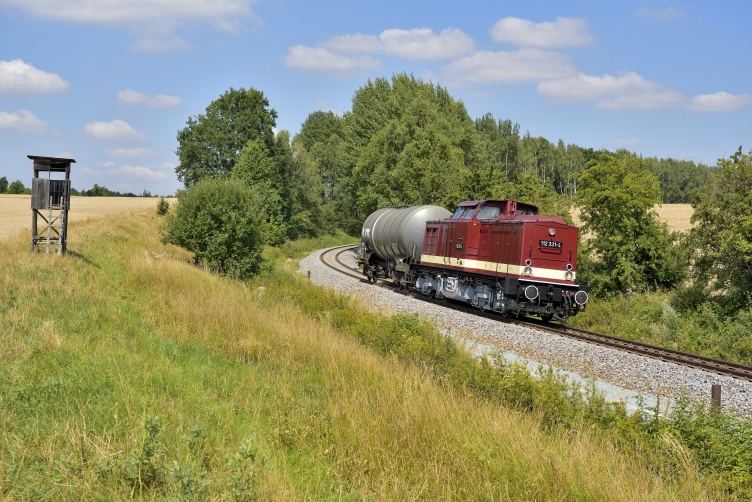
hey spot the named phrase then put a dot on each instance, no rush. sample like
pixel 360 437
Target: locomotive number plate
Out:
pixel 550 244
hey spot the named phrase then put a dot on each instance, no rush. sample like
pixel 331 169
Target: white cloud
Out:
pixel 564 32
pixel 647 99
pixel 133 98
pixel 19 77
pixel 131 153
pixel 523 66
pixel 415 44
pixel 142 172
pixel 22 121
pixel 153 21
pixel 117 129
pixel 135 11
pixel 719 102
pixel 629 90
pixel 667 13
pixel 320 58
pixel 423 43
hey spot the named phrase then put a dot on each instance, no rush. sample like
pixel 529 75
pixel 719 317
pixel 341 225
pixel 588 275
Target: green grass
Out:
pixel 126 372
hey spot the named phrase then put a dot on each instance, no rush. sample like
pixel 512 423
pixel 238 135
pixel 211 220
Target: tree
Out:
pixel 285 191
pixel 679 178
pixel 628 247
pixel 297 186
pixel 219 220
pixel 529 188
pixel 3 184
pixel 405 143
pixel 498 147
pixel 318 146
pixel 17 187
pixel 722 234
pixel 210 144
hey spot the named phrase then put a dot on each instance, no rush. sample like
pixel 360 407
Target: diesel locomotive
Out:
pixel 497 255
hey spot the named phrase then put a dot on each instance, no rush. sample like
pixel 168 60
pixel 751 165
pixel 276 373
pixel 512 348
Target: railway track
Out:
pixel 332 259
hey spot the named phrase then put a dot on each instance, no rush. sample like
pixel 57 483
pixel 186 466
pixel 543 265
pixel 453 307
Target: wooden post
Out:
pixel 715 395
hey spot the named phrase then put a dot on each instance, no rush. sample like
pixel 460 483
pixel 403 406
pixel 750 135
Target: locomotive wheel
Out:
pixel 547 317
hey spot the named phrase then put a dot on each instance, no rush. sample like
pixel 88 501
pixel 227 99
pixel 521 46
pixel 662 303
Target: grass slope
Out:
pixel 126 372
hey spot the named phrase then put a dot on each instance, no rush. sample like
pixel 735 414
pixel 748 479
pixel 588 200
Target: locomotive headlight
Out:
pixel 581 298
pixel 531 292
pixel 569 275
pixel 527 272
pixel 551 232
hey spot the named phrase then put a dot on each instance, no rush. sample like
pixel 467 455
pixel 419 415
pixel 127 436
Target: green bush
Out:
pixel 163 207
pixel 219 221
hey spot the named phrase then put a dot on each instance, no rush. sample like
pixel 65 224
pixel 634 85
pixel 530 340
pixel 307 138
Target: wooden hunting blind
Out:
pixel 50 200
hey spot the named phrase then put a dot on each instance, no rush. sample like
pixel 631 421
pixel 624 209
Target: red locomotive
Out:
pixel 496 255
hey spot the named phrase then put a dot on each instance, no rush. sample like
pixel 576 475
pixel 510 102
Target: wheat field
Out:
pixel 677 216
pixel 15 210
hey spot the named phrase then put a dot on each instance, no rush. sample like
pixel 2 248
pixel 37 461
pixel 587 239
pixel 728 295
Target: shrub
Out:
pixel 163 207
pixel 219 221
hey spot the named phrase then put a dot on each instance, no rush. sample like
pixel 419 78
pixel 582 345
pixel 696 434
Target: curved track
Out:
pixel 332 259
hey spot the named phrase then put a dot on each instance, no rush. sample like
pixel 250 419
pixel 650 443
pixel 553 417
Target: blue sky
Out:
pixel 110 82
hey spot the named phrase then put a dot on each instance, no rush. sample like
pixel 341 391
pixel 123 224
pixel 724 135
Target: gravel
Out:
pixel 637 381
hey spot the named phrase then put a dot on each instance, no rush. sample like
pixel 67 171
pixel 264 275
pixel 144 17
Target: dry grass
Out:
pixel 15 210
pixel 151 335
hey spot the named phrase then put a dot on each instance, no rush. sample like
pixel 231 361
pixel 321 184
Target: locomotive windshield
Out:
pixel 463 213
pixel 488 213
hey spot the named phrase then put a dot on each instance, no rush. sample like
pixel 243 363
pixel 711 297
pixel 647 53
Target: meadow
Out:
pixel 128 372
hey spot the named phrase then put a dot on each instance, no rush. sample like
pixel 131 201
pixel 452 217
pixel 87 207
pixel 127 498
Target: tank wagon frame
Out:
pixel 495 255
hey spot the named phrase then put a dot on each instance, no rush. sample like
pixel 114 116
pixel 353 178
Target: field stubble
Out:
pixel 15 210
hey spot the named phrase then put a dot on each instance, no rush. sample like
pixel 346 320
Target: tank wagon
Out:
pixel 497 255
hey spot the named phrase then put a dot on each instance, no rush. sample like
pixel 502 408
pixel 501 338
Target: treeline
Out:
pixel 17 187
pixel 102 191
pixel 405 141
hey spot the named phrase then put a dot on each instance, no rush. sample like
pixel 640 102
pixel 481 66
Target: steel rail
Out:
pixel 331 258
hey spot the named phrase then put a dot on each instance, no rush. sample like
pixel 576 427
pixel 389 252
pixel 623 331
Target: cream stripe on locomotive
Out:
pixel 490 266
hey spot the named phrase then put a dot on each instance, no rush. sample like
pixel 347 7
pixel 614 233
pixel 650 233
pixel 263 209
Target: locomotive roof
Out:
pixel 495 202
